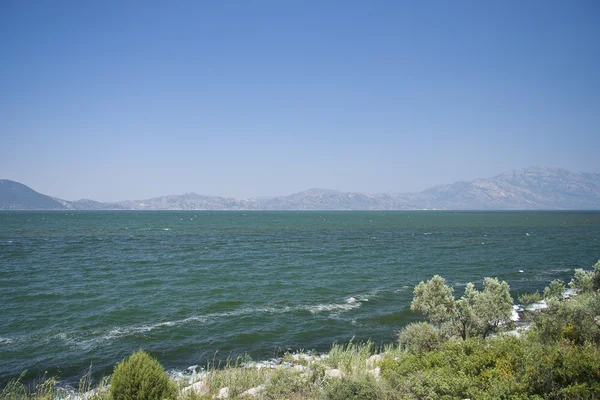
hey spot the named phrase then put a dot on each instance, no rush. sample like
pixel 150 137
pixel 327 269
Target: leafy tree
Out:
pixel 434 299
pixel 465 311
pixel 596 277
pixel 475 313
pixel 555 289
pixel 493 306
pixel 582 280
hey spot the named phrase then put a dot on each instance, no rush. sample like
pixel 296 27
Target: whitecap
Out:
pixel 4 340
pixel 332 307
pixel 521 271
pixel 515 314
pixel 540 305
pixel 119 332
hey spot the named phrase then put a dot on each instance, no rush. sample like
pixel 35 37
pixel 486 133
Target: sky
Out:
pixel 115 100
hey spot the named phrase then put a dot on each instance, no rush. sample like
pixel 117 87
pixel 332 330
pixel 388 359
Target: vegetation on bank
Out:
pixel 465 349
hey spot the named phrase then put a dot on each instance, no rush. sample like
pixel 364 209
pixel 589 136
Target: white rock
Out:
pixel 375 372
pixel 301 356
pixel 253 392
pixel 299 368
pixel 374 359
pixel 197 387
pixel 334 373
pixel 223 393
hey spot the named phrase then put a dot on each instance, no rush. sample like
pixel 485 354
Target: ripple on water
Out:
pixel 298 280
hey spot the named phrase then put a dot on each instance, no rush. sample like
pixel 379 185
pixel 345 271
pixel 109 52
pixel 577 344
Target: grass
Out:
pixel 478 368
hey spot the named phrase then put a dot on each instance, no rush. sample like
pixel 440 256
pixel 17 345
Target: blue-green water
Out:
pixel 90 287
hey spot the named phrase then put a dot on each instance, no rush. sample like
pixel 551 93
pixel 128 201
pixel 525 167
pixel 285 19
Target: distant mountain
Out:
pixel 16 196
pixel 531 188
pixel 189 201
pixel 534 188
pixel 326 199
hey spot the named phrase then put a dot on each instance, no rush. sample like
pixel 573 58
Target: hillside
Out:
pixel 16 196
pixel 534 188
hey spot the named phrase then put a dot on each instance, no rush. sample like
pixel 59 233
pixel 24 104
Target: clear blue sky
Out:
pixel 115 100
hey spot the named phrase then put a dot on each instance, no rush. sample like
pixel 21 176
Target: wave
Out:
pixel 121 332
pixel 4 340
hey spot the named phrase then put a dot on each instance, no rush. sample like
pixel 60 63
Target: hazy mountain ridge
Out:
pixel 16 196
pixel 534 188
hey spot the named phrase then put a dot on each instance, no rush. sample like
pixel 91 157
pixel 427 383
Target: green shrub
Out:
pixel 596 276
pixel 363 388
pixel 555 289
pixel 530 298
pixel 287 385
pixel 582 280
pixel 572 319
pixel 141 377
pixel 419 337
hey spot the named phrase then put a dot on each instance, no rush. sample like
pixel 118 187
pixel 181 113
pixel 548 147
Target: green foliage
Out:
pixel 45 389
pixel 465 308
pixel 596 277
pixel 14 389
pixel 361 388
pixel 287 385
pixel 434 299
pixel 582 280
pixel 574 320
pixel 419 337
pixel 498 368
pixel 493 306
pixel 141 377
pixel 530 298
pixel 476 313
pixel 350 357
pixel 555 289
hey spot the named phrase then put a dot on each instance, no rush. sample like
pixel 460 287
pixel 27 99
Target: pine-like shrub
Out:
pixel 419 337
pixel 363 388
pixel 141 377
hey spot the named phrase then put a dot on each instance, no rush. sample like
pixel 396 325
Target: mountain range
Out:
pixel 534 188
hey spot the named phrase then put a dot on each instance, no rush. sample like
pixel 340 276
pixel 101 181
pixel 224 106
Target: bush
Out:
pixel 530 298
pixel 363 388
pixel 286 385
pixel 582 280
pixel 573 319
pixel 555 289
pixel 141 377
pixel 596 276
pixel 419 337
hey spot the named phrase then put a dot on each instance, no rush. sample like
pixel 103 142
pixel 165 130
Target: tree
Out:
pixel 475 313
pixel 466 317
pixel 434 299
pixel 493 306
pixel 596 277
pixel 555 289
pixel 582 280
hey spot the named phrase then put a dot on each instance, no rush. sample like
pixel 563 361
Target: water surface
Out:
pixel 90 287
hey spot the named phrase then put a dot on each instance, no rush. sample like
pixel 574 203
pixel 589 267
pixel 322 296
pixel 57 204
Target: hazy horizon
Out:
pixel 112 101
pixel 267 196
